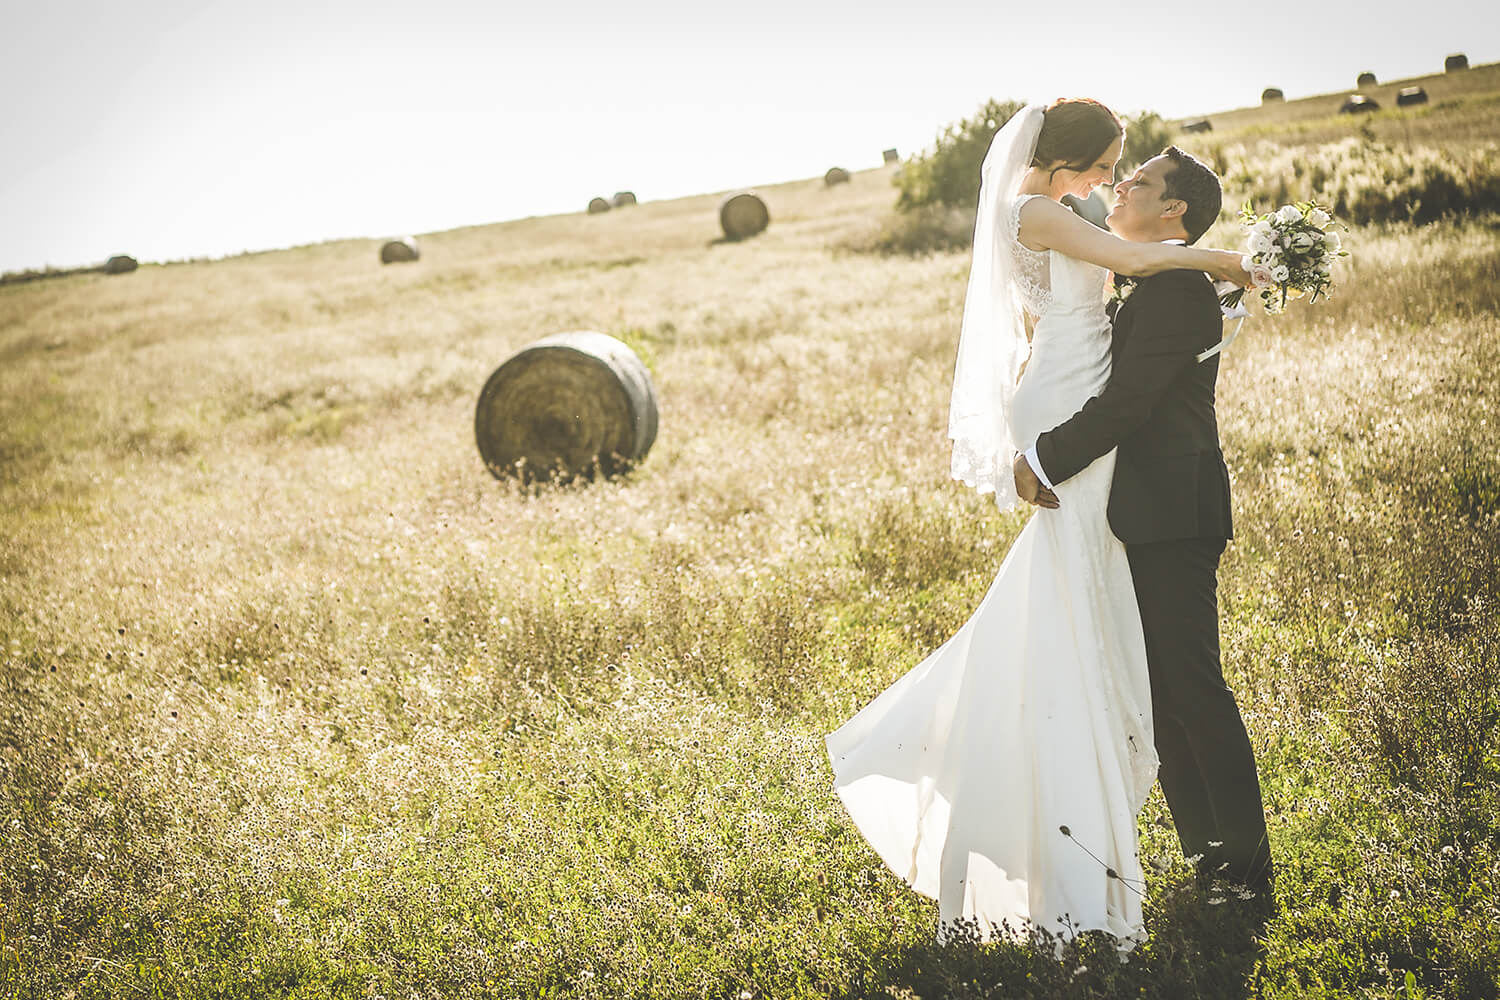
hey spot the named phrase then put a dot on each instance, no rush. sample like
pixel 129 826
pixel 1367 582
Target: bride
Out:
pixel 1003 774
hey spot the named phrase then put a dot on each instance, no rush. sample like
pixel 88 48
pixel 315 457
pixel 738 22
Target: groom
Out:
pixel 1170 506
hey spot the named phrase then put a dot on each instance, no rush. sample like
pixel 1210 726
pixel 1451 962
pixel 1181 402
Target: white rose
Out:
pixel 1331 243
pixel 1289 213
pixel 1281 272
pixel 1262 228
pixel 1319 218
pixel 1260 243
pixel 1302 241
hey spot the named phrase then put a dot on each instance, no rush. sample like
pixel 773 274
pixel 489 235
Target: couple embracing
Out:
pixel 1004 774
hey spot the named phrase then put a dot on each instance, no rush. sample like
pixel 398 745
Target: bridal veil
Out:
pixel 992 345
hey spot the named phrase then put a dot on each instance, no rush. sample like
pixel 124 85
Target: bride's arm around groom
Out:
pixel 1158 332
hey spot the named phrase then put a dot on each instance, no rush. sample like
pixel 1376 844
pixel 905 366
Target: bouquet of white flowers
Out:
pixel 1294 247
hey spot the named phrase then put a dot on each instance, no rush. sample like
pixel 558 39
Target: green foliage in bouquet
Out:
pixel 1297 244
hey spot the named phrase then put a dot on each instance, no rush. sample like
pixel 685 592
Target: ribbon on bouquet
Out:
pixel 1235 312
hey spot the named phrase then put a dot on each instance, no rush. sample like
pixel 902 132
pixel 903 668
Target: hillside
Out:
pixel 301 701
pixel 1463 107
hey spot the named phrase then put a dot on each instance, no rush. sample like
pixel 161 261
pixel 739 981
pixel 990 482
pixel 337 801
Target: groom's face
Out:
pixel 1141 209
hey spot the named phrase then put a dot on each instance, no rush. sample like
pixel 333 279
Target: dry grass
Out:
pixel 1461 111
pixel 302 702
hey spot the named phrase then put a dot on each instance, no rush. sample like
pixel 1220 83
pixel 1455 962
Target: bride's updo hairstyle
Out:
pixel 1077 131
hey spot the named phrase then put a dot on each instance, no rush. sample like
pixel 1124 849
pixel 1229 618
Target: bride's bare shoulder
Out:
pixel 1036 216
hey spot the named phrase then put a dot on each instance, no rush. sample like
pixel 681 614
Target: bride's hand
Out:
pixel 1232 267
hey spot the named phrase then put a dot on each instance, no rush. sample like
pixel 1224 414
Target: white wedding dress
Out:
pixel 1036 714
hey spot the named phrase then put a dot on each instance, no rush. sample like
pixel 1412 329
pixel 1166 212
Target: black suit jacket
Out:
pixel 1158 409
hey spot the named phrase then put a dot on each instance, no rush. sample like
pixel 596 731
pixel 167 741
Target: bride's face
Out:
pixel 1080 183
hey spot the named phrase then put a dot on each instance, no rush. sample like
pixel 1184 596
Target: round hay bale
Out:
pixel 1201 125
pixel 566 406
pixel 598 205
pixel 890 156
pixel 1456 61
pixel 1366 79
pixel 120 264
pixel 1356 104
pixel 402 251
pixel 1271 94
pixel 743 215
pixel 1410 95
pixel 623 198
pixel 836 175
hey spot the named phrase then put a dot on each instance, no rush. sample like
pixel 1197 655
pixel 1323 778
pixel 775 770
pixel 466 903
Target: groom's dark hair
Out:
pixel 1189 180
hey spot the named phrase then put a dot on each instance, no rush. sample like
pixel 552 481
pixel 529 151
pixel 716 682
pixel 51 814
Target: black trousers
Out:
pixel 1207 766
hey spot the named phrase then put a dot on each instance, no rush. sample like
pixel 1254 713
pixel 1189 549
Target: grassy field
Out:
pixel 1463 108
pixel 299 701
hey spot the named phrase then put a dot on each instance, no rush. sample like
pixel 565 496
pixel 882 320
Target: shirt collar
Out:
pixel 1126 279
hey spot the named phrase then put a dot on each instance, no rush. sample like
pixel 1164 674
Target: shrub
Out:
pixel 1146 134
pixel 1365 182
pixel 948 173
pixel 940 187
pixel 925 229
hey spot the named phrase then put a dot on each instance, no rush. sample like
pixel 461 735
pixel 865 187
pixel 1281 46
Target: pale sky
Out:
pixel 169 129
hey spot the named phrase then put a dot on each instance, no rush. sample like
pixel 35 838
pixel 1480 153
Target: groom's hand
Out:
pixel 1030 488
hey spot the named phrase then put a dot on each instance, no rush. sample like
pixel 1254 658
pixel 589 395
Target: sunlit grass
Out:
pixel 301 701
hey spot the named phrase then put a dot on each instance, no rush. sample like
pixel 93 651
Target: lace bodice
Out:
pixel 1069 360
pixel 1032 267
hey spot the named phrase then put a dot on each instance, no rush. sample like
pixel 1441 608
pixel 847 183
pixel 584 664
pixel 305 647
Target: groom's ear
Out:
pixel 1174 208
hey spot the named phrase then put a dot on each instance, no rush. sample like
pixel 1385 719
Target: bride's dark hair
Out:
pixel 1075 130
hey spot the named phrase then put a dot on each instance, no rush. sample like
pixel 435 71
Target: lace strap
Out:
pixel 1013 222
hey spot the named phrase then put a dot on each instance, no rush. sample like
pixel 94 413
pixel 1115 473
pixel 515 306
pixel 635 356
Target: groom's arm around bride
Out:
pixel 1158 408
